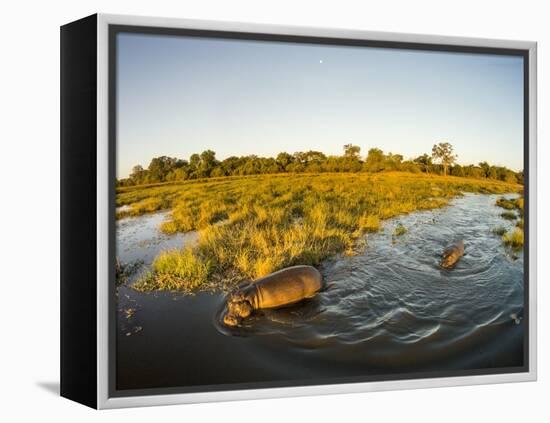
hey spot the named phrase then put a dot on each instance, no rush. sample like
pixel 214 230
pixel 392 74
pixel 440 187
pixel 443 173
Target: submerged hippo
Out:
pixel 451 254
pixel 282 288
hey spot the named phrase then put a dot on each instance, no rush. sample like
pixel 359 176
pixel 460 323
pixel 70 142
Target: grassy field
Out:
pixel 251 226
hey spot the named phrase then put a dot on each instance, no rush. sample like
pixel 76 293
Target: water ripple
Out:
pixel 395 295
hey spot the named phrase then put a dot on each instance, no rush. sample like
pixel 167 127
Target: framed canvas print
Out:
pixel 254 211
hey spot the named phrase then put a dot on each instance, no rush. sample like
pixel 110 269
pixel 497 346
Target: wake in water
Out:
pixel 391 309
pixel 396 299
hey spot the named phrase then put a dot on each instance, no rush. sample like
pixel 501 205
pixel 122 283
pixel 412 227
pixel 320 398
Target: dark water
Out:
pixel 388 310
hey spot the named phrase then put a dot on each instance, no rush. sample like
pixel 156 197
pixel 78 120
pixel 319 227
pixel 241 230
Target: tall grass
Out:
pixel 250 227
pixel 176 270
pixel 514 238
pixel 511 204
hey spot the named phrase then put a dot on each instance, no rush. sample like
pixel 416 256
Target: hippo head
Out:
pixel 241 308
pixel 448 261
pixel 238 308
pixel 449 257
pixel 231 320
pixel 452 254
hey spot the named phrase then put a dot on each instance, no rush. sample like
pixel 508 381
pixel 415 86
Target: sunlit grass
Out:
pixel 146 205
pixel 369 223
pixel 511 204
pixel 251 226
pixel 177 270
pixel 514 238
pixel 506 203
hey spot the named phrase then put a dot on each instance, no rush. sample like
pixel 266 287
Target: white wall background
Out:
pixel 29 231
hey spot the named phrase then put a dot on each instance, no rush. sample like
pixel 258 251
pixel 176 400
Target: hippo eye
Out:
pixel 236 296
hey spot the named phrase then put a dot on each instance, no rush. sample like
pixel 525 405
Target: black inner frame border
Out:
pixel 115 29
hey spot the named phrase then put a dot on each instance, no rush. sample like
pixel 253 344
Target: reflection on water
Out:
pixel 139 240
pixel 390 309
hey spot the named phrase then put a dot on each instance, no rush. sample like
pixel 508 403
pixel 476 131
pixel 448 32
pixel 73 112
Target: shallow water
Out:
pixel 139 240
pixel 390 309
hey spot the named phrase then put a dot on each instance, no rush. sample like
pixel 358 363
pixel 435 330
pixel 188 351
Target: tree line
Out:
pixel 205 165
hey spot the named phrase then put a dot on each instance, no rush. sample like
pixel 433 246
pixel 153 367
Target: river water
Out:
pixel 390 310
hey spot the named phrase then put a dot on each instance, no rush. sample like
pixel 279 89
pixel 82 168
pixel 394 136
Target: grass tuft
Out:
pixel 508 215
pixel 369 223
pixel 176 270
pixel 400 230
pixel 500 230
pixel 514 238
pixel 511 204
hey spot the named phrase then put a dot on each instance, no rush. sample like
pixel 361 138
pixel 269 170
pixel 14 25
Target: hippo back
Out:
pixel 285 287
pixel 455 249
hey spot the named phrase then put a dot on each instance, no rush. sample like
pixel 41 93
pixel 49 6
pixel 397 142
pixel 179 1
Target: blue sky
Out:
pixel 181 95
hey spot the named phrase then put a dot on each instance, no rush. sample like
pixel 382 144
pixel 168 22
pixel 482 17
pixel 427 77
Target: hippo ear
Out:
pixel 242 285
pixel 235 297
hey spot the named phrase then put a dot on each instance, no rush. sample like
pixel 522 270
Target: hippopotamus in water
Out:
pixel 279 289
pixel 451 254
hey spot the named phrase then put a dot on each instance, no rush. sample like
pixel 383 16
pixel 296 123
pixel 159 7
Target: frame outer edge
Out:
pixel 533 169
pixel 103 400
pixel 313 31
pixel 102 215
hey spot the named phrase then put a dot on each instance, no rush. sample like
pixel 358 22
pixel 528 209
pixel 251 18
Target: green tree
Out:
pixel 473 171
pixel 457 170
pixel 352 151
pixel 231 165
pixel 207 163
pixel 194 162
pixel 217 171
pixel 425 162
pixel 138 175
pixel 485 169
pixel 160 167
pixel 410 166
pixel 444 153
pixel 284 159
pixel 375 160
pixel 393 161
pixel 314 156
